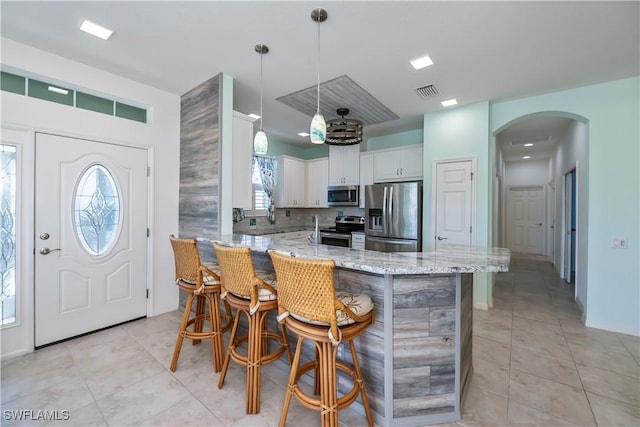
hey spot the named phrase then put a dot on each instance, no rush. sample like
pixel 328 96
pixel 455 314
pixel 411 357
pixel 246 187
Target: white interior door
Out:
pixel 453 205
pixel 525 216
pixel 90 234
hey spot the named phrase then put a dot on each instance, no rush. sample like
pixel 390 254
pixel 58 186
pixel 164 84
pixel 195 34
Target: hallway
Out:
pixel 535 364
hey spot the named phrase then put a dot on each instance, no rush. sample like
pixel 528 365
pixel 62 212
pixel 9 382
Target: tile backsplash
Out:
pixel 296 218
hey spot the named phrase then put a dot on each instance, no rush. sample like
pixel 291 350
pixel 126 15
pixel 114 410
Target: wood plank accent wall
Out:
pixel 199 160
pixel 424 335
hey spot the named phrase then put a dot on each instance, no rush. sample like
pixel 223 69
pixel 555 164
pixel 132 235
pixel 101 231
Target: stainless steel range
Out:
pixel 340 235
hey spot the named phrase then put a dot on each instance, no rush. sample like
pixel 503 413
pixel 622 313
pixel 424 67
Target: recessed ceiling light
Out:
pixel 419 63
pixel 58 90
pixel 303 134
pixel 528 145
pixel 95 30
pixel 449 102
pixel 526 157
pixel 254 116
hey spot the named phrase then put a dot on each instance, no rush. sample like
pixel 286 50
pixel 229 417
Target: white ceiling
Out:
pixel 483 51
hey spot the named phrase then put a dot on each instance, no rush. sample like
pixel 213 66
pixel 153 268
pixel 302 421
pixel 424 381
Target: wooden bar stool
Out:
pixel 202 284
pixel 310 307
pixel 255 298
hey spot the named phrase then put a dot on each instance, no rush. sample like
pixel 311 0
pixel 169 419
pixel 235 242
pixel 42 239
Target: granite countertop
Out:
pixel 450 259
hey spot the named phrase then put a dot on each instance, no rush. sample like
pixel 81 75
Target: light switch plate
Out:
pixel 619 243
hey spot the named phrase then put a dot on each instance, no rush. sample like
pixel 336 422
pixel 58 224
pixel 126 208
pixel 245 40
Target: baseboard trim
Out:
pixel 481 306
pixel 613 328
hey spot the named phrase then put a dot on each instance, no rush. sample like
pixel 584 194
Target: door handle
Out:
pixel 442 238
pixel 540 224
pixel 47 251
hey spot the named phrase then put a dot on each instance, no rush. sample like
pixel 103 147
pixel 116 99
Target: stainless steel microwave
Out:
pixel 343 195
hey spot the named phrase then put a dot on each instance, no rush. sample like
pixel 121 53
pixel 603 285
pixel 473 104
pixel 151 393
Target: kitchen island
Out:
pixel 416 356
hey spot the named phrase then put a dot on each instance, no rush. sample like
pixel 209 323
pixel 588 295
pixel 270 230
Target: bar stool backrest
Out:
pixel 306 288
pixel 187 260
pixel 237 274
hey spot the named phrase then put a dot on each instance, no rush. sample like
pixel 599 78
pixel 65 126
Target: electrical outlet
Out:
pixel 252 223
pixel 619 243
pixel 287 213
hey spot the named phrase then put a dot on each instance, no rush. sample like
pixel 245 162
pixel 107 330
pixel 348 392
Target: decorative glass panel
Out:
pixel 8 233
pixel 97 210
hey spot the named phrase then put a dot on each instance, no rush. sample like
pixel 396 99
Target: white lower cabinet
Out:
pixel 289 186
pixel 317 183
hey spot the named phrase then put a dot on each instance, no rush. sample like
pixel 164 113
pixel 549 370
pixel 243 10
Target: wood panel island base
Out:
pixel 416 357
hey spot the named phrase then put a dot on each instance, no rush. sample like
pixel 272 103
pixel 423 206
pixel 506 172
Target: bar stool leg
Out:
pixel 181 332
pixel 230 348
pixel 360 382
pixel 216 330
pixel 199 319
pixel 328 386
pixel 254 356
pixel 291 386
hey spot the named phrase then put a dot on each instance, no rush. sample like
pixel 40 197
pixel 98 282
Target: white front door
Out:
pixel 90 234
pixel 453 203
pixel 525 216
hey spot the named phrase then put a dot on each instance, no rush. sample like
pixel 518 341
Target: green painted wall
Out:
pixel 278 148
pixel 613 113
pixel 400 139
pixel 460 133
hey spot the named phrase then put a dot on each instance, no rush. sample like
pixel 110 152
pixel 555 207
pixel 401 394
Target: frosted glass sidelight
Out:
pixel 8 234
pixel 97 210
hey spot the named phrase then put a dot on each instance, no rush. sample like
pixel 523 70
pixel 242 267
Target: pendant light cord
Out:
pixel 261 55
pixel 318 111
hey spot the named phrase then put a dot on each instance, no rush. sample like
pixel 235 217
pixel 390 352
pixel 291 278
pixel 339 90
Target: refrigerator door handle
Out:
pixel 384 211
pixel 390 211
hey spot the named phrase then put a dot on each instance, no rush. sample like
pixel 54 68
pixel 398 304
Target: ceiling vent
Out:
pixel 427 91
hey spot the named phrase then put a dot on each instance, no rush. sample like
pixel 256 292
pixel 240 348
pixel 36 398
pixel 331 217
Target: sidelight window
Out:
pixel 8 199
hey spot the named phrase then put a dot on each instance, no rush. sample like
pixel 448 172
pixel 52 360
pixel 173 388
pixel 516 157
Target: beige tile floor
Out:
pixel 535 365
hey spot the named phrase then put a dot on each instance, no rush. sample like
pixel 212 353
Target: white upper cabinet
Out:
pixel 398 164
pixel 289 186
pixel 241 152
pixel 344 165
pixel 366 174
pixel 317 182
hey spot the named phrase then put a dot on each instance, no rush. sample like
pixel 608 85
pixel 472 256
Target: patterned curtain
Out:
pixel 266 165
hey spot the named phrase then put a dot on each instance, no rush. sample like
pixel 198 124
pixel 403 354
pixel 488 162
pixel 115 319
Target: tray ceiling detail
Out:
pixel 338 93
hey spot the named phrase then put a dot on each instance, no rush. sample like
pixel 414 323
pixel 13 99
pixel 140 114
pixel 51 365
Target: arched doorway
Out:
pixel 540 191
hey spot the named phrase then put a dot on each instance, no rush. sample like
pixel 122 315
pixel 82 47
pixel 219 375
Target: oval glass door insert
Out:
pixel 97 210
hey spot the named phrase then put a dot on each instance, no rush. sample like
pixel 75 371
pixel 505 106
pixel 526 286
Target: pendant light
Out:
pixel 318 129
pixel 260 142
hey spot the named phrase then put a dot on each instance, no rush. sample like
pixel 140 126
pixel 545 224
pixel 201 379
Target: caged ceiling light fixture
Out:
pixel 343 131
pixel 260 142
pixel 318 128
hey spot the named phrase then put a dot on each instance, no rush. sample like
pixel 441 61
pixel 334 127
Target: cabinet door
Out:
pixel 366 174
pixel 344 165
pixel 241 154
pixel 411 163
pixel 290 182
pixel 386 166
pixel 317 182
pixel 298 182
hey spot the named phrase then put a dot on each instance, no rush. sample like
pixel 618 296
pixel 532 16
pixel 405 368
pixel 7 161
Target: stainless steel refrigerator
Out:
pixel 393 217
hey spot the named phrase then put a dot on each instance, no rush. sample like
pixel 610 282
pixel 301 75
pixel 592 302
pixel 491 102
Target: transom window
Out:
pixel 97 210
